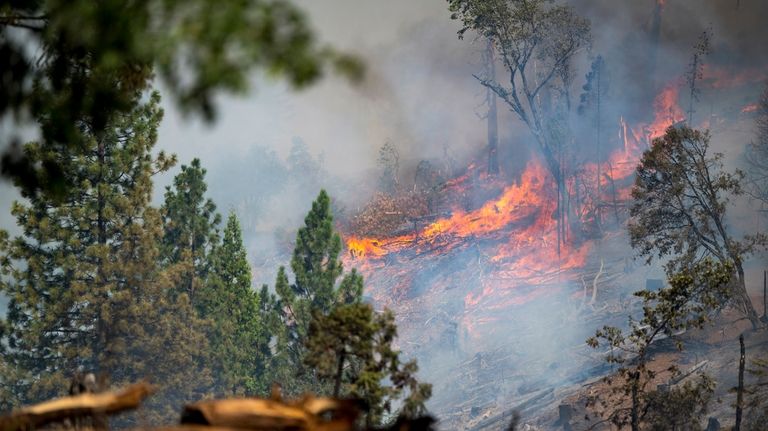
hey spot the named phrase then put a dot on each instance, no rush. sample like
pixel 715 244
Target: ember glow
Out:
pixel 725 78
pixel 752 107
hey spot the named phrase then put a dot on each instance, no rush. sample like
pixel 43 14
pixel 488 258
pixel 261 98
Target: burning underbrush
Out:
pixel 494 295
pixel 508 249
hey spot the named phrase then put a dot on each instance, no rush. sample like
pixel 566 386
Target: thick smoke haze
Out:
pixel 419 94
pixel 269 153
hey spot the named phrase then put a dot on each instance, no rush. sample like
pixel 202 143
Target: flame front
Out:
pixel 514 235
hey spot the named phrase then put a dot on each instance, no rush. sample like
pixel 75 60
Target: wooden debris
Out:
pixel 77 406
pixel 309 413
pixel 677 379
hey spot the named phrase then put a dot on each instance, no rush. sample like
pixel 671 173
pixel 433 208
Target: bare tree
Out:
pixel 696 70
pixel 757 153
pixel 492 119
pixel 389 163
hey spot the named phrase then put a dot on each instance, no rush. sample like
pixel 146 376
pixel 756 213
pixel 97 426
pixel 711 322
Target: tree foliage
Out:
pixel 680 197
pixel 326 339
pixel 524 32
pixel 70 60
pixel 191 225
pixel 352 347
pixel 86 289
pixel 689 301
pixel 239 342
pixel 316 289
pixel 679 408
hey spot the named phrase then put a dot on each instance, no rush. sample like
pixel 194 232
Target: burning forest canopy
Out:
pixel 483 178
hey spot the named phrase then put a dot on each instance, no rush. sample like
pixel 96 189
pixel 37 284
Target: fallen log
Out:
pixel 677 379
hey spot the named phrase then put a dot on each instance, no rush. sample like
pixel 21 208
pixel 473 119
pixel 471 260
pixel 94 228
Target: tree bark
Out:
pixel 635 421
pixel 492 118
pixel 743 296
pixel 740 390
pixel 339 372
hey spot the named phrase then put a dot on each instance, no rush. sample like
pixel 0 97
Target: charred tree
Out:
pixel 740 389
pixel 492 115
pixel 591 105
pixel 696 71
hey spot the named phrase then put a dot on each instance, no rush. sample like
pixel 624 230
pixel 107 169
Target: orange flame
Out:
pixel 749 108
pixel 519 222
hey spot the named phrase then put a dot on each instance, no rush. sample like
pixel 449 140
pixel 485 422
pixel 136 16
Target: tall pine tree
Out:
pixel 316 289
pixel 238 339
pixel 191 223
pixel 86 291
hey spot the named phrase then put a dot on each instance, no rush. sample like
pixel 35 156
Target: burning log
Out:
pixel 78 406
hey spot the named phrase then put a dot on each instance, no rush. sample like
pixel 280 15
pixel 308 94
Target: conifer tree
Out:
pixel 191 224
pixel 234 307
pixel 316 268
pixel 86 291
pixel 351 348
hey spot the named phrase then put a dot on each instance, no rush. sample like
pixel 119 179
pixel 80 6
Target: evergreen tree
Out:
pixel 316 268
pixel 351 348
pixel 234 308
pixel 86 291
pixel 191 223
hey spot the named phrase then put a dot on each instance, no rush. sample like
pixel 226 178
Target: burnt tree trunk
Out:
pixel 634 415
pixel 740 390
pixel 765 296
pixel 742 295
pixel 492 117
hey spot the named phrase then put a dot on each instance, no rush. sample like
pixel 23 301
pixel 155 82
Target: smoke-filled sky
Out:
pixel 420 95
pixel 419 92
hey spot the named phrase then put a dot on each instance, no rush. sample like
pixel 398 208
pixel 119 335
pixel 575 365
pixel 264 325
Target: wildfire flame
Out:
pixel 517 229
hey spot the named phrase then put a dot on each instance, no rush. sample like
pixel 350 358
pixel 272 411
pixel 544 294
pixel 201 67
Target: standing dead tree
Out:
pixel 696 70
pixel 492 118
pixel 757 153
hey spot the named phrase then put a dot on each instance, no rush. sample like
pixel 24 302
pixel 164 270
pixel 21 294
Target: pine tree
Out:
pixel 316 269
pixel 236 334
pixel 191 223
pixel 86 291
pixel 351 349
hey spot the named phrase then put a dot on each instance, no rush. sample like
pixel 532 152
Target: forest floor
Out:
pixel 713 350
